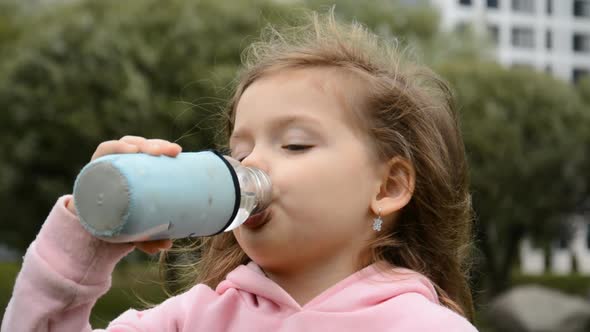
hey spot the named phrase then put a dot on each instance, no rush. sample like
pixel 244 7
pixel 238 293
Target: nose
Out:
pixel 256 159
pixel 262 160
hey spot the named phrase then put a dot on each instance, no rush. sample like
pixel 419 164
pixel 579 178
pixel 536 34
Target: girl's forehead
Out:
pixel 328 92
pixel 321 78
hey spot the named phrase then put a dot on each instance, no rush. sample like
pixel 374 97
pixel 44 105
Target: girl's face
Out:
pixel 296 126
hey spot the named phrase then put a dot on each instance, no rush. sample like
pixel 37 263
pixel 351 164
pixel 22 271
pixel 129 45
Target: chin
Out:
pixel 266 258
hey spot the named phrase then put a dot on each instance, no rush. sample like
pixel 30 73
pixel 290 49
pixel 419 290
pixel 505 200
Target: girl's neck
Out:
pixel 307 282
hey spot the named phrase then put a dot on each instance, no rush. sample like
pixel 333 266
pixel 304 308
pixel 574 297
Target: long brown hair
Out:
pixel 408 112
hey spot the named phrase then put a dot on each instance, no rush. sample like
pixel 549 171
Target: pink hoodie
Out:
pixel 61 279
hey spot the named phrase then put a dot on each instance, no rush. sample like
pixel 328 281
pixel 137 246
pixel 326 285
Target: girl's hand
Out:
pixel 136 144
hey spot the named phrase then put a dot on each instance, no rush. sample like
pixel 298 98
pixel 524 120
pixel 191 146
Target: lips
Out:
pixel 257 220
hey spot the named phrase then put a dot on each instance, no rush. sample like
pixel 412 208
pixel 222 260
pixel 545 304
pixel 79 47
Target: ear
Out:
pixel 396 187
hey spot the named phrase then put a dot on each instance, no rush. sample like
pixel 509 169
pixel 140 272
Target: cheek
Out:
pixel 324 190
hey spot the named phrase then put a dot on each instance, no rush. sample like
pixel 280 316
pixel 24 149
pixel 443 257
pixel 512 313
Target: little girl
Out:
pixel 368 228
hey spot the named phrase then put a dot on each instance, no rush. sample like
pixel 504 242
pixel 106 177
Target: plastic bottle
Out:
pixel 139 197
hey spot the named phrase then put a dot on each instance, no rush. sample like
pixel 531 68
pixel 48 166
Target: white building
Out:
pixel 549 35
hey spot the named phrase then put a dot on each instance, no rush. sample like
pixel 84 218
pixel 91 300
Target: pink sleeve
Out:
pixel 64 272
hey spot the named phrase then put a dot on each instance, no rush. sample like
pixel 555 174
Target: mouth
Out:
pixel 258 220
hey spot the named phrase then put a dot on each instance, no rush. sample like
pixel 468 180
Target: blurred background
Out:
pixel 74 73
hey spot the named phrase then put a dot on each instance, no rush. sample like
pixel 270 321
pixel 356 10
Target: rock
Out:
pixel 538 309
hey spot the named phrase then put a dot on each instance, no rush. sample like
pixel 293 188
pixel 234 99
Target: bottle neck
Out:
pixel 253 181
pixel 263 188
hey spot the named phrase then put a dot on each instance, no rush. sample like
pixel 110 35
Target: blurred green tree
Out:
pixel 10 29
pixel 583 88
pixel 526 136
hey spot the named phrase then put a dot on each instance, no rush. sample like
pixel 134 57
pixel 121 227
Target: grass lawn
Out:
pixel 8 273
pixel 130 281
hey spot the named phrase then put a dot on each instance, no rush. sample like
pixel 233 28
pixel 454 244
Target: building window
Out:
pixel 579 73
pixel 549 7
pixel 581 43
pixel 465 2
pixel 548 39
pixel 494 33
pixel 492 3
pixel 524 6
pixel 523 37
pixel 581 8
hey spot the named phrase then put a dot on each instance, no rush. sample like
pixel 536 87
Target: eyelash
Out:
pixel 296 147
pixel 290 147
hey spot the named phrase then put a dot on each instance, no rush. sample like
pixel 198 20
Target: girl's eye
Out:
pixel 296 147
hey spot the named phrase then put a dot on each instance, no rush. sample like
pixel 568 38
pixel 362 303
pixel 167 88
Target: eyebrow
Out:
pixel 283 122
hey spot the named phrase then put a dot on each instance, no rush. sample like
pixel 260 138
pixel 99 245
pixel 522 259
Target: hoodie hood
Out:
pixel 361 290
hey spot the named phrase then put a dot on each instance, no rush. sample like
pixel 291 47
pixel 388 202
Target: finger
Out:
pixel 173 150
pixel 112 147
pixel 158 147
pixel 152 247
pixel 135 140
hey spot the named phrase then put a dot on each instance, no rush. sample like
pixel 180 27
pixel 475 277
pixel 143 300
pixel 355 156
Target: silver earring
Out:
pixel 377 222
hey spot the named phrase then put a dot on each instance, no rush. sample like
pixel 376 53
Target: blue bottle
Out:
pixel 139 197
